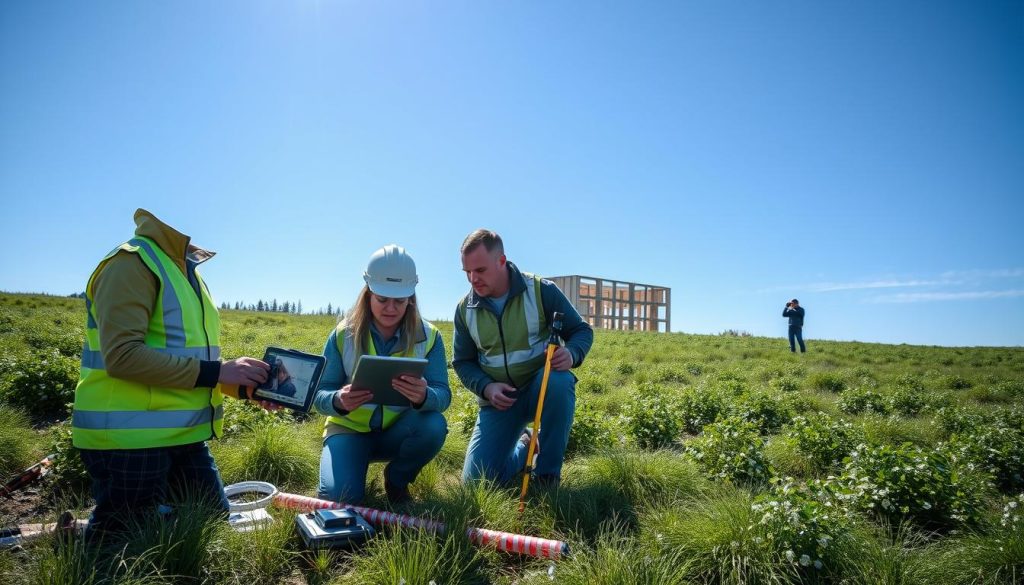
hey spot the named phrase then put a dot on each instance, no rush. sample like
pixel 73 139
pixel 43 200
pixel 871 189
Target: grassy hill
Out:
pixel 693 459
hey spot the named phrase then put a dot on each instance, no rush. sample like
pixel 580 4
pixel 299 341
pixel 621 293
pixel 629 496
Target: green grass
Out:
pixel 632 514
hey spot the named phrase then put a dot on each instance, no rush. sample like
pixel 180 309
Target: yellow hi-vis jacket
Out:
pixel 359 419
pixel 114 413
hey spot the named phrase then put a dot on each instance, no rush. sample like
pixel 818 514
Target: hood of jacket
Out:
pixel 174 243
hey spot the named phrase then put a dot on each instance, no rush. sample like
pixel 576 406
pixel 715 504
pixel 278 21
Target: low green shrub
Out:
pixel 911 382
pixel 694 368
pixel 669 373
pixel 591 431
pixel 827 381
pixel 926 487
pixel 997 449
pixel 591 385
pixel 245 416
pixel 822 439
pixel 907 400
pixel 858 400
pixel 43 385
pixel 625 368
pixel 731 450
pixel 700 407
pixel 652 419
pixel 954 382
pixel 765 410
pixel 797 527
pixel 955 419
pixel 784 384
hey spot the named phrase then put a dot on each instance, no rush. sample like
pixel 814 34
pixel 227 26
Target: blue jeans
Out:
pixel 408 444
pixel 796 333
pixel 129 484
pixel 495 452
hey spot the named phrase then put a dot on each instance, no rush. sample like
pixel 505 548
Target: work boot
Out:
pixel 65 530
pixel 524 440
pixel 396 495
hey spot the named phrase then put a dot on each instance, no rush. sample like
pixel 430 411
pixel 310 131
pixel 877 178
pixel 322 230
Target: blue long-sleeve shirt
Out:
pixel 576 333
pixel 439 394
pixel 796 316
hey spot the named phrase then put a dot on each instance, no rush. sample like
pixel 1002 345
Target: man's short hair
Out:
pixel 795 301
pixel 491 241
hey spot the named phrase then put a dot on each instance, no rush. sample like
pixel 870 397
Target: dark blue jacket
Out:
pixel 796 316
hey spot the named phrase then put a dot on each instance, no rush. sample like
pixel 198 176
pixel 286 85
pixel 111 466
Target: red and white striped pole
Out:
pixel 503 541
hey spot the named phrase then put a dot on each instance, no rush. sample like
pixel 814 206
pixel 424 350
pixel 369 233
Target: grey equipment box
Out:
pixel 324 528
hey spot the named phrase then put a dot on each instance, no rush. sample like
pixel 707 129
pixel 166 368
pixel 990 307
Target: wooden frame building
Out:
pixel 614 304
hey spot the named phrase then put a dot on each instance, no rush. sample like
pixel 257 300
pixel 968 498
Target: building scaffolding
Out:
pixel 615 304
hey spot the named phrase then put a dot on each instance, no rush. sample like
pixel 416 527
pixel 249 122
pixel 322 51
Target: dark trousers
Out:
pixel 796 334
pixel 129 484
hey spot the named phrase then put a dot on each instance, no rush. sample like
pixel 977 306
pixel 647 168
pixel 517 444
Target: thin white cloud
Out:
pixel 984 274
pixel 946 279
pixel 947 296
pixel 837 286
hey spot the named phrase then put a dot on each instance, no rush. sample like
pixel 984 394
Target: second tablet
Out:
pixel 375 373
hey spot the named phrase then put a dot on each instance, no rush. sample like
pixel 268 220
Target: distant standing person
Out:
pixel 795 313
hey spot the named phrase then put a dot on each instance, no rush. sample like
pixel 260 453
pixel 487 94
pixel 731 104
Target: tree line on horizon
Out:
pixel 272 306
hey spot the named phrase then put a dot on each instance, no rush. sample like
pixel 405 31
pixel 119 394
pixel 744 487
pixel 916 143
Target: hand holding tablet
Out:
pixel 292 379
pixel 378 374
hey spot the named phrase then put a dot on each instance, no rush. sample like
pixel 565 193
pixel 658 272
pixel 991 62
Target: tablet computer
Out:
pixel 293 378
pixel 375 372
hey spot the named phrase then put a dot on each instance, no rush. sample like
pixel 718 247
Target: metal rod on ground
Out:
pixel 553 344
pixel 28 476
pixel 503 541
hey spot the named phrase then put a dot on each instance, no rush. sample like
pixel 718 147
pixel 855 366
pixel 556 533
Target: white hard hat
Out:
pixel 391 273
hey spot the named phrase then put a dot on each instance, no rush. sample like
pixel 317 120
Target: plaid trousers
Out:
pixel 129 484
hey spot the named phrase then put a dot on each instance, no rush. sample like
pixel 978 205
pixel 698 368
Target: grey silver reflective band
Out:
pixel 93 359
pixel 129 419
pixel 174 323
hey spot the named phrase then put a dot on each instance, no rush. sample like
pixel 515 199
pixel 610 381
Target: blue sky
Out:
pixel 865 157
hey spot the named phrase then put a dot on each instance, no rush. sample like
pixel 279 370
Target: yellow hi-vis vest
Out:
pixel 511 351
pixel 113 413
pixel 359 419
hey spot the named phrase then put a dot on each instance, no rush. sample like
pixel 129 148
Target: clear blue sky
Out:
pixel 865 157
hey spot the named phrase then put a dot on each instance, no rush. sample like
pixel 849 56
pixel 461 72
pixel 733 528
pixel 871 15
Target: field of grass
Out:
pixel 693 459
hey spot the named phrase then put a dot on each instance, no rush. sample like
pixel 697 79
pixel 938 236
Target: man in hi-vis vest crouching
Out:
pixel 151 386
pixel 501 336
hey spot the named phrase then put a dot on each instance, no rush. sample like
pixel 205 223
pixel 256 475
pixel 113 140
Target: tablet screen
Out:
pixel 375 372
pixel 293 378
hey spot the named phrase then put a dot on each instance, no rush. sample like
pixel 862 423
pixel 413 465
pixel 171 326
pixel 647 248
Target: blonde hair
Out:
pixel 357 322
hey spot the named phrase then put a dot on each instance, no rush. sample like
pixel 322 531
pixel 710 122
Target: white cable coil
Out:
pixel 244 487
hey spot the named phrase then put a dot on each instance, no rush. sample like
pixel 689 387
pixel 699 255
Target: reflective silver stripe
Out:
pixel 472 325
pixel 531 306
pixel 174 324
pixel 532 314
pixel 348 352
pixel 514 357
pixel 130 419
pixel 93 359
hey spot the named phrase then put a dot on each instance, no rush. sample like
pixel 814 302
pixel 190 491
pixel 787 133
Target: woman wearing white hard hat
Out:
pixel 384 321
